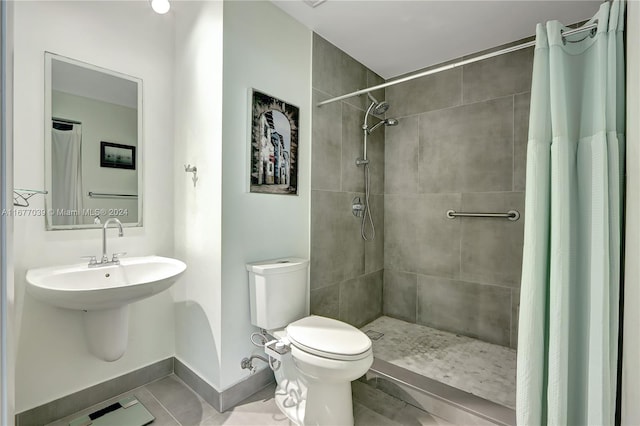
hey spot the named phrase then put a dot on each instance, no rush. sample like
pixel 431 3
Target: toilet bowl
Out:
pixel 314 386
pixel 314 358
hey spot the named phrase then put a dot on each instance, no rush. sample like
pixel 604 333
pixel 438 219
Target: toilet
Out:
pixel 314 358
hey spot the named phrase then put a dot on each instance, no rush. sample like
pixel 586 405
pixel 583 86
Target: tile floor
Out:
pixel 173 403
pixel 480 368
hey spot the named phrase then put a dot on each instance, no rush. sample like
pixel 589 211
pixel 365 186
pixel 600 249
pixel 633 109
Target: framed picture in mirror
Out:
pixel 117 156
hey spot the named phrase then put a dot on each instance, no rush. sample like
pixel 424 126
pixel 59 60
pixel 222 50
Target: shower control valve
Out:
pixel 357 208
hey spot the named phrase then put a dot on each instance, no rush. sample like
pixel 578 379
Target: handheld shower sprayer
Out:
pixel 387 122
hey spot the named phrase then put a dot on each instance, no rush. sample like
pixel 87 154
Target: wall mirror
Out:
pixel 93 145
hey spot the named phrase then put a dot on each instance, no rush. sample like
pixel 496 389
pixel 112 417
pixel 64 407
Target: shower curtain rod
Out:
pixel 589 27
pixel 64 120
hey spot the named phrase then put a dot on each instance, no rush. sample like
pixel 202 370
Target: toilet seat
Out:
pixel 329 338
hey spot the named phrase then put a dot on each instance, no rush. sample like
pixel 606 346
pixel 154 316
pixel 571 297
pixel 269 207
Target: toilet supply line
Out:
pixel 274 349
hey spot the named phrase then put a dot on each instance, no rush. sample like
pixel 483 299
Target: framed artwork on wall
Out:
pixel 117 156
pixel 274 145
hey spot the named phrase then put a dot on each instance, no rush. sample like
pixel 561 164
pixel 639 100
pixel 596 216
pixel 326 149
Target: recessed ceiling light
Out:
pixel 160 6
pixel 314 3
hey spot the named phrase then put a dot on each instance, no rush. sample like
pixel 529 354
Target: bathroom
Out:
pixel 197 65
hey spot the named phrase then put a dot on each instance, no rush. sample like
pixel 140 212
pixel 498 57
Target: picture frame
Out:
pixel 274 145
pixel 117 156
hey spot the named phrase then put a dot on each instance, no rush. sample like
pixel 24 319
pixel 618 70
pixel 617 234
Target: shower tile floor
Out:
pixel 480 368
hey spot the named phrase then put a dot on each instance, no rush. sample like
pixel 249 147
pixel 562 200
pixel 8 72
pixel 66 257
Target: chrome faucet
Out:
pixel 105 259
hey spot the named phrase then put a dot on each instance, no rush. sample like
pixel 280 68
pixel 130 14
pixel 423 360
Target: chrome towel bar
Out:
pixel 511 214
pixel 105 195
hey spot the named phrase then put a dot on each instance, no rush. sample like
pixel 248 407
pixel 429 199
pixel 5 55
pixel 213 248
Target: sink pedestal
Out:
pixel 107 332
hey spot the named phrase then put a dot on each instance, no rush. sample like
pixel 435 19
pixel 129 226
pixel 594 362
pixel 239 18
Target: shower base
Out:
pixel 466 373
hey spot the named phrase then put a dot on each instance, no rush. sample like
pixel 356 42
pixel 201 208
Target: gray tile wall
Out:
pixel 460 144
pixel 346 272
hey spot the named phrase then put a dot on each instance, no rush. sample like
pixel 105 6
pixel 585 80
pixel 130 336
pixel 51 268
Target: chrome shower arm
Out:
pixel 365 125
pixel 372 99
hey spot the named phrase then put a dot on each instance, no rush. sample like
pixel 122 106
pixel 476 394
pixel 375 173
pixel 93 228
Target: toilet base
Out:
pixel 320 404
pixel 331 404
pixel 290 398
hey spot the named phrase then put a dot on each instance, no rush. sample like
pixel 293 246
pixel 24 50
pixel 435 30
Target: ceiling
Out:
pixel 93 84
pixel 394 37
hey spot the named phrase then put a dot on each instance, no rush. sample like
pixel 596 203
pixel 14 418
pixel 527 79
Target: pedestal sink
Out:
pixel 104 294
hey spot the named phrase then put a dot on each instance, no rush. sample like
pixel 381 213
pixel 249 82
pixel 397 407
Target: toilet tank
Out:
pixel 279 292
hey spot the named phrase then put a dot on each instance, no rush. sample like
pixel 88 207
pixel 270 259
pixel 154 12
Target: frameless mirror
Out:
pixel 93 167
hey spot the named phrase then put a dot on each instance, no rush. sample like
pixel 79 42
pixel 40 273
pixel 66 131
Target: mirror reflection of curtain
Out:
pixel 66 159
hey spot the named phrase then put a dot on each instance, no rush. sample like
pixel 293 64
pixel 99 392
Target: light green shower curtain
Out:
pixel 568 330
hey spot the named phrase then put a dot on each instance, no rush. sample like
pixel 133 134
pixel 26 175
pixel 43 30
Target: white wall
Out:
pixel 265 49
pixel 212 301
pixel 216 230
pixel 102 121
pixel 52 356
pixel 198 226
pixel 631 340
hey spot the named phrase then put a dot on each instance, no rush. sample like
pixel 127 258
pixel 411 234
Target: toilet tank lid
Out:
pixel 277 266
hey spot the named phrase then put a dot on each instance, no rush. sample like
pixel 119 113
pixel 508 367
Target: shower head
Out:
pixel 378 107
pixel 387 122
pixel 381 108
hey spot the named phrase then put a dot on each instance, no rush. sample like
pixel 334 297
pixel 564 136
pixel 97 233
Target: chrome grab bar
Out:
pixel 511 214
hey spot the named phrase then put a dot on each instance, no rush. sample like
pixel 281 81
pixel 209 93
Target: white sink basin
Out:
pixel 83 288
pixel 104 294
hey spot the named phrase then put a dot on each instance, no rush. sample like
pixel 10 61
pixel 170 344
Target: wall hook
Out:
pixel 192 169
